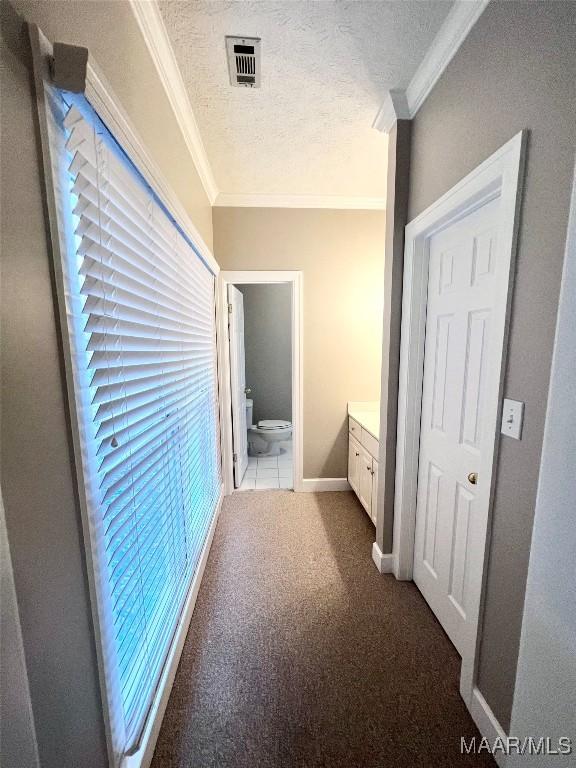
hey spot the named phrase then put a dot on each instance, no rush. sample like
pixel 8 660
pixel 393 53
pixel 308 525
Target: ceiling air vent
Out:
pixel 243 61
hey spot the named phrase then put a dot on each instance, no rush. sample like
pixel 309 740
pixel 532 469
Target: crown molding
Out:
pixel 155 35
pixel 394 107
pixel 455 29
pixel 334 202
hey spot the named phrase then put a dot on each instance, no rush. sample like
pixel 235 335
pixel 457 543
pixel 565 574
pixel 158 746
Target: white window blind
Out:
pixel 142 327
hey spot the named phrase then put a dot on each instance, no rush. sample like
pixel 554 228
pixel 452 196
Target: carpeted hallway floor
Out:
pixel 300 655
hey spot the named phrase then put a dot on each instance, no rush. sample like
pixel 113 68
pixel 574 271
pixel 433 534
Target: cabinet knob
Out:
pixel 357 454
pixel 369 468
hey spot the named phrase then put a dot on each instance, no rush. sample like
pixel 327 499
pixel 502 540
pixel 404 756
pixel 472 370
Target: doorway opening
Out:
pixel 260 380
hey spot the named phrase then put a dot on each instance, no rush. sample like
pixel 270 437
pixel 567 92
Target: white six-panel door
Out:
pixel 238 383
pixel 463 268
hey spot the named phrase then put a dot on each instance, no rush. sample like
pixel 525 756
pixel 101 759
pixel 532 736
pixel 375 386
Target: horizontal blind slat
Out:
pixel 119 372
pixel 138 242
pixel 103 264
pixel 119 509
pixel 85 187
pixel 105 310
pixel 119 414
pixel 114 358
pixel 110 184
pixel 111 278
pixel 102 296
pixel 105 254
pixel 115 399
pixel 128 440
pixel 108 326
pixel 136 462
pixel 135 387
pixel 193 468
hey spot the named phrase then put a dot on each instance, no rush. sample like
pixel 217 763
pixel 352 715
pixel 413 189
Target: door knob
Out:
pixel 247 390
pixel 473 478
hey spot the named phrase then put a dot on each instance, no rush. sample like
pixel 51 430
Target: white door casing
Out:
pixel 462 272
pixel 238 383
pixel 497 179
pixel 259 277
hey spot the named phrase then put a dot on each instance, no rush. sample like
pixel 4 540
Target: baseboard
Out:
pixel 143 757
pixel 488 724
pixel 315 484
pixel 384 563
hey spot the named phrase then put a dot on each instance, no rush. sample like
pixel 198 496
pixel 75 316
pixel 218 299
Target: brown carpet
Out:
pixel 300 655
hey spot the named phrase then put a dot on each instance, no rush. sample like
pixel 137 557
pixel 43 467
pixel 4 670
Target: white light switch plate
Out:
pixel 512 418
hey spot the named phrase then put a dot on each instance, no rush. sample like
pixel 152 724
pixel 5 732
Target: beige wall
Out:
pixel 268 346
pixel 341 254
pixel 516 70
pixel 110 31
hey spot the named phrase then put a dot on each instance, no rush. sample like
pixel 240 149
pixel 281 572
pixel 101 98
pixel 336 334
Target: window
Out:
pixel 141 330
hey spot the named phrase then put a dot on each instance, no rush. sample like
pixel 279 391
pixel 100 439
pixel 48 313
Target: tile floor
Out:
pixel 268 472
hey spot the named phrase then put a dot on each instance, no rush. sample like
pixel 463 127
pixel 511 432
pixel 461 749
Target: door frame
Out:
pixel 295 278
pixel 235 298
pixel 500 176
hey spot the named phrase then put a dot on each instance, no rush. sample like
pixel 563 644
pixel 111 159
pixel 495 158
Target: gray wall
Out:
pixel 545 695
pixel 38 485
pixel 17 734
pixel 517 69
pixel 397 193
pixel 268 343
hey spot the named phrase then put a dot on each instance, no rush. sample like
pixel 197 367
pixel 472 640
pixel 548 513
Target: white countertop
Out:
pixel 367 415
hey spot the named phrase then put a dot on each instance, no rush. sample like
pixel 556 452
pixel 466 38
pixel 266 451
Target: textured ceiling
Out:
pixel 326 67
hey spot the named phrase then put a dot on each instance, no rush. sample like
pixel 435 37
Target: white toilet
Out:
pixel 265 438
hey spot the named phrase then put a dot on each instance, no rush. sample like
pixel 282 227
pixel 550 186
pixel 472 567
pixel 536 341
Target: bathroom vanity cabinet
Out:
pixel 363 449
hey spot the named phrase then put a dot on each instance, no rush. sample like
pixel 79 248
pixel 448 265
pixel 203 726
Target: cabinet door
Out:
pixel 374 490
pixel 365 483
pixel 353 462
